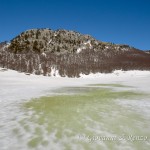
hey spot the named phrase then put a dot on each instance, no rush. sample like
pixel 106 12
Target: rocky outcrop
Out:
pixel 40 40
pixel 68 53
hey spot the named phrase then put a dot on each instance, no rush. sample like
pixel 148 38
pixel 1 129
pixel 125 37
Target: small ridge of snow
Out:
pixel 125 49
pixel 84 46
pixel 43 54
pixel 88 42
pixel 147 52
pixel 115 73
pixel 54 72
pixel 40 68
pixel 80 49
pixel 117 48
pixel 7 44
pixel 50 41
pixel 55 34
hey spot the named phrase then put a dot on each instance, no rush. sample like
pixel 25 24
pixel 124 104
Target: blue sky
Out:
pixel 117 21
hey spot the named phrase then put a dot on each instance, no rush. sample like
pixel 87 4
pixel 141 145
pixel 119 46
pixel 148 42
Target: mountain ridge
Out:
pixel 69 53
pixel 50 40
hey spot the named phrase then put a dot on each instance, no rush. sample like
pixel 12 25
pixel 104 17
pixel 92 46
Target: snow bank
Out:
pixel 119 73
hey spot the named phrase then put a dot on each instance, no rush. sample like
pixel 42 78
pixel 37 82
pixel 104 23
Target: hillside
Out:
pixel 68 53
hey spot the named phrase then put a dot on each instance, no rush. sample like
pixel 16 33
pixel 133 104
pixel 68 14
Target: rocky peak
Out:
pixel 40 40
pixel 59 41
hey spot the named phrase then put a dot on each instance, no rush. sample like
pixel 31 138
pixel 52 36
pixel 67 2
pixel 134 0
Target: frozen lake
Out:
pixel 93 112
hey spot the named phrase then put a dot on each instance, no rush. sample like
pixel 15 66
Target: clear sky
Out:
pixel 117 21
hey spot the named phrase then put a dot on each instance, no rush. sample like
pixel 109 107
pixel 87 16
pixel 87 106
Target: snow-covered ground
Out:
pixel 20 86
pixel 17 87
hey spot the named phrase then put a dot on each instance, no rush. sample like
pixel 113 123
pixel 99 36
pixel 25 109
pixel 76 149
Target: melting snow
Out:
pixel 84 46
pixel 54 72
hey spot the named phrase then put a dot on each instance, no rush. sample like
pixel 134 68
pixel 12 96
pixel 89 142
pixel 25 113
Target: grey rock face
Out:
pixel 40 40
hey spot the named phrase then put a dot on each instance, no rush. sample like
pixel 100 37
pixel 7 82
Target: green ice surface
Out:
pixel 86 111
